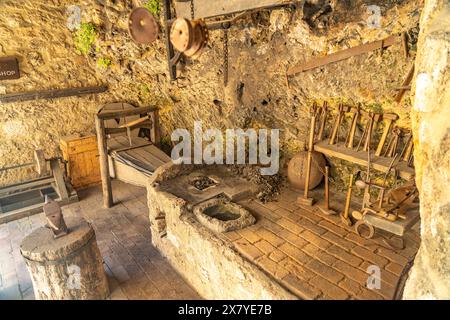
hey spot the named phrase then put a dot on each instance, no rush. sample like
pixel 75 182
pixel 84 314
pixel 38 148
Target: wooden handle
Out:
pixel 349 196
pixel 310 151
pixel 383 137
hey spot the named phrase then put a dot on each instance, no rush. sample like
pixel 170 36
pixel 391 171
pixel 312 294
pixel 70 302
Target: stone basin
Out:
pixel 222 215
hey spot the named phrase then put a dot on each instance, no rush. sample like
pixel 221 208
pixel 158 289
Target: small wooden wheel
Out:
pixel 370 228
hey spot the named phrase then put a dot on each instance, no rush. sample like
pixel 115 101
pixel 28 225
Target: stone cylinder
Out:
pixel 67 268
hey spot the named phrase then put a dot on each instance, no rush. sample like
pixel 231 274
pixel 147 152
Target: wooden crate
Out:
pixel 83 165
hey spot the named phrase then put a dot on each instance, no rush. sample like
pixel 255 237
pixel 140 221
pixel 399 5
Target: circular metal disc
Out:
pixel 142 26
pixel 181 34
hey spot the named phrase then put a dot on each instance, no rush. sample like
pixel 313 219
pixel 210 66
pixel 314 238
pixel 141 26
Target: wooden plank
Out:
pixel 115 131
pixel 25 185
pixel 140 154
pixel 210 8
pixel 128 174
pixel 134 122
pixel 50 94
pixel 344 54
pixel 31 210
pixel 360 157
pixel 159 153
pixel 124 113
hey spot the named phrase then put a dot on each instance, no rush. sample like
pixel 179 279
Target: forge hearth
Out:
pixel 202 182
pixel 221 215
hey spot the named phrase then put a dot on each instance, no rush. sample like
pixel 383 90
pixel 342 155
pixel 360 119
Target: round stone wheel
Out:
pixel 297 170
pixel 67 268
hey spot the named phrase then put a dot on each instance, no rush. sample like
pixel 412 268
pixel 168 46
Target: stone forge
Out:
pixel 228 245
pixel 207 259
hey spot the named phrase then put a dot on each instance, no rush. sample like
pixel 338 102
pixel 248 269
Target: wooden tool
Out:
pixel 372 119
pixel 131 124
pixel 407 150
pixel 323 120
pixel 351 135
pixel 337 124
pixel 305 200
pixel 326 208
pixel 405 44
pixel 408 79
pixel 389 120
pixel 344 54
pixel 369 131
pixel 393 143
pixel 345 215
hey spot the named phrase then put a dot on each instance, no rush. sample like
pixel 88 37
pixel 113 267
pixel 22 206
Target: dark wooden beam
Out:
pixel 50 94
pixel 212 8
pixel 344 54
pixel 125 113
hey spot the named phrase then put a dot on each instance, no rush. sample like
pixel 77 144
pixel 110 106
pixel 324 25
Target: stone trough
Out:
pixel 222 215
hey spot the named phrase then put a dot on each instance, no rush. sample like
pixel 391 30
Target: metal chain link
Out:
pixel 192 10
pixel 225 57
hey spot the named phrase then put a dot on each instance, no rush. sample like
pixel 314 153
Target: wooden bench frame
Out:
pixel 102 135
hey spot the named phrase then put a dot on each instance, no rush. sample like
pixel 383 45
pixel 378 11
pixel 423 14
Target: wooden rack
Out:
pixel 380 157
pixel 102 134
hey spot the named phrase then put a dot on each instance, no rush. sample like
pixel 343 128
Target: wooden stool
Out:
pixel 67 268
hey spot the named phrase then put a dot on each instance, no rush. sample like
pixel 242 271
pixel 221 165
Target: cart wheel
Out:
pixel 365 235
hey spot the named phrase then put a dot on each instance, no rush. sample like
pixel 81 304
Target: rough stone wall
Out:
pixel 262 46
pixel 430 275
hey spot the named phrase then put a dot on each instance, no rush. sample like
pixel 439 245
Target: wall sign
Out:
pixel 9 68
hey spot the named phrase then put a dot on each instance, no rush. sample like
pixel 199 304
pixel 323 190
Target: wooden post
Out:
pixel 345 216
pixel 326 207
pixel 310 150
pixel 104 164
pixel 305 200
pixel 154 132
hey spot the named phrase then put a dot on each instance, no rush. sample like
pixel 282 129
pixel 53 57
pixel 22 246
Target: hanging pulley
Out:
pixel 189 36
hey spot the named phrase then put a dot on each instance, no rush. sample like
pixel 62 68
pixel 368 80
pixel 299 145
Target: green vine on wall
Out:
pixel 84 37
pixel 103 63
pixel 153 6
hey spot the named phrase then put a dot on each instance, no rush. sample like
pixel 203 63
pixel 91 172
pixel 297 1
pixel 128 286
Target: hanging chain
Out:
pixel 192 10
pixel 225 57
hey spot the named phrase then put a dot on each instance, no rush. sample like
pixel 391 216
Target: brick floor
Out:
pixel 135 269
pixel 317 257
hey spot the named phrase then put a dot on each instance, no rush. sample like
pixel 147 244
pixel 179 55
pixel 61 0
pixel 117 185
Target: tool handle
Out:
pixel 349 196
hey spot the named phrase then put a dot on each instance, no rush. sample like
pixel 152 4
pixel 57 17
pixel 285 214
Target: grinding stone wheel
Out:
pixel 297 170
pixel 142 26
